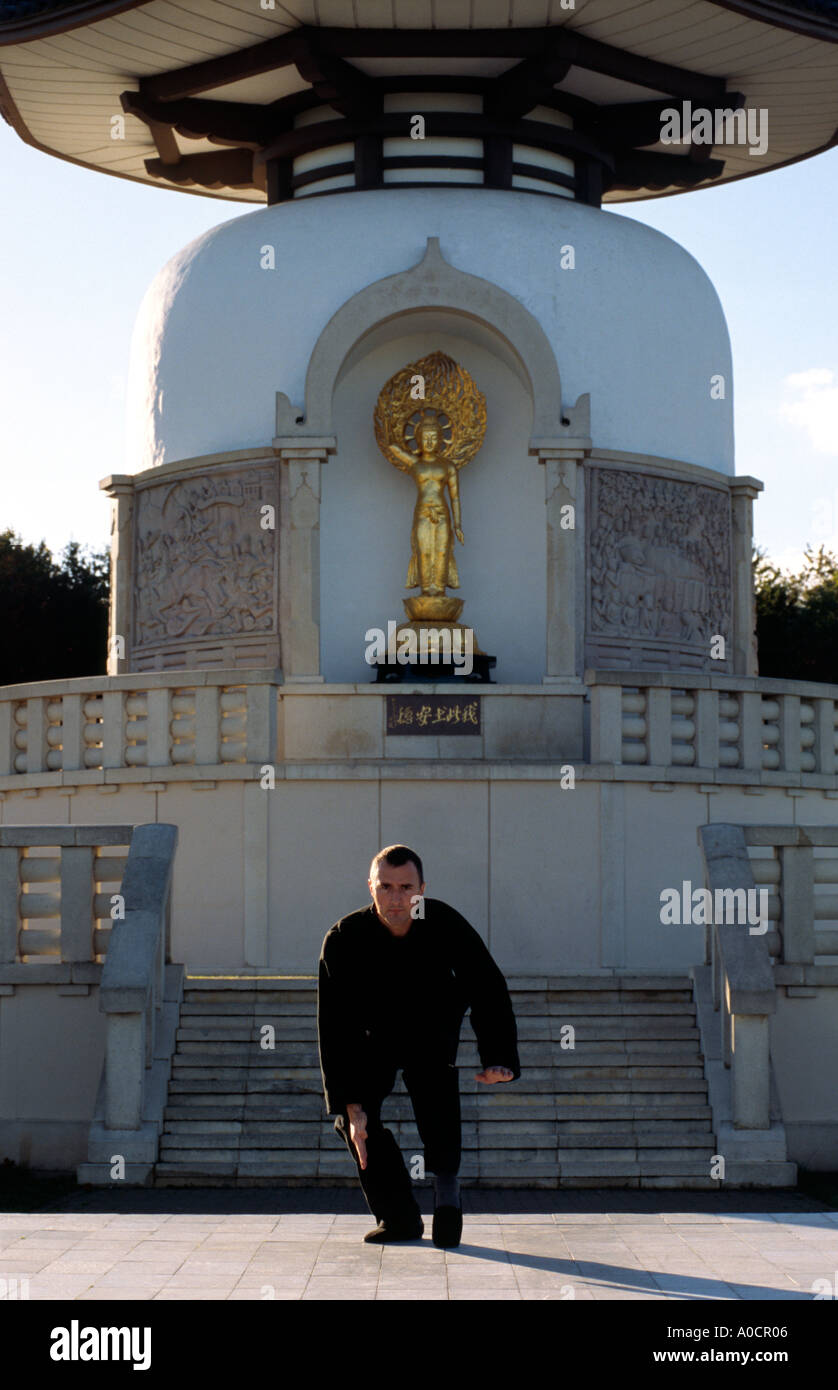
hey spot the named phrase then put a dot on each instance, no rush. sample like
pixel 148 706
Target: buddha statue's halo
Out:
pixel 449 395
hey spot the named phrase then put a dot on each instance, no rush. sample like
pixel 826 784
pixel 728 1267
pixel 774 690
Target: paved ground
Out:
pixel 305 1244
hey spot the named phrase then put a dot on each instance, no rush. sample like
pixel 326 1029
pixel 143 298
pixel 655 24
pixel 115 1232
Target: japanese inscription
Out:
pixel 433 714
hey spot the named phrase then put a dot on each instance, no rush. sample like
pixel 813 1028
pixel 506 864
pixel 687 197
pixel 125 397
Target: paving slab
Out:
pixel 307 1244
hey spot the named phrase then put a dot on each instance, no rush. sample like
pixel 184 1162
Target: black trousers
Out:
pixel 435 1096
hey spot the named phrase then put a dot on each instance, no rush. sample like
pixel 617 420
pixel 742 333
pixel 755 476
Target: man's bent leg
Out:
pixel 435 1094
pixel 385 1180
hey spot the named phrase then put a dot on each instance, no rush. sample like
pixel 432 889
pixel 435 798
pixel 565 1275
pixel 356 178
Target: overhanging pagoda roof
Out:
pixel 209 90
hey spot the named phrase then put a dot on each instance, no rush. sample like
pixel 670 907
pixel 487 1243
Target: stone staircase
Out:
pixel 627 1106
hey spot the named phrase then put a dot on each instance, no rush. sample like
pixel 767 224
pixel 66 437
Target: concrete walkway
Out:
pixel 306 1244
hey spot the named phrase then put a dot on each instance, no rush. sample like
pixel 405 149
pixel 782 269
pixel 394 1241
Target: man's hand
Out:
pixel 493 1074
pixel 358 1131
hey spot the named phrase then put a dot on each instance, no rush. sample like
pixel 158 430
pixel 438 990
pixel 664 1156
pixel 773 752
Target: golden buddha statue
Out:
pixel 432 565
pixel 441 436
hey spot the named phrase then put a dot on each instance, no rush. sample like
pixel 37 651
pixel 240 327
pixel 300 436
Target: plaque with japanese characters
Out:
pixel 438 714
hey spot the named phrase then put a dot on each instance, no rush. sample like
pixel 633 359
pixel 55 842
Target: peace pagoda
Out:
pixel 429 532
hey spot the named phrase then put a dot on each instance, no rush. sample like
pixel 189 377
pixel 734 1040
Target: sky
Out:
pixel 78 250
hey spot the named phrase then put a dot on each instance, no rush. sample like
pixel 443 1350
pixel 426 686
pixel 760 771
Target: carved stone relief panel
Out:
pixel 659 571
pixel 204 565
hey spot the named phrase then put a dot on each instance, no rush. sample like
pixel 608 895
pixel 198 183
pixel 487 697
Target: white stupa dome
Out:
pixel 635 322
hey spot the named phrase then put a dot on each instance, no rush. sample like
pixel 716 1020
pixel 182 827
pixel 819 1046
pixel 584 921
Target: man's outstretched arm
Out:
pixel 492 1017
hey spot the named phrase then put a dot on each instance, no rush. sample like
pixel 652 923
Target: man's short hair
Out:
pixel 396 855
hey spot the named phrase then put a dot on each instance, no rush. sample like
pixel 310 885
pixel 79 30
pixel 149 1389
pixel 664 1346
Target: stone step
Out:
pixel 659 1130
pixel 212 1016
pixel 299 1008
pixel 490 1121
pixel 255 1084
pixel 648 1167
pixel 590 983
pixel 571 1102
pixel 668 1111
pixel 310 1137
pixel 534 1056
pixel 557 1041
pixel 300 1163
pixel 238 986
pixel 246 1029
pixel 661 1138
pixel 217 1071
pixel 199 1053
pixel 533 1077
pixel 252 1002
pixel 620 1068
pixel 200 985
pixel 639 998
pixel 567 1078
pixel 615 1008
pixel 176 1175
pixel 638 1051
pixel 311 1109
pixel 519 1125
pixel 303 1161
pixel 300 1003
pixel 647 1157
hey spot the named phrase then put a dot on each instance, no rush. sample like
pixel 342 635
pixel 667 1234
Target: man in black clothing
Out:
pixel 395 980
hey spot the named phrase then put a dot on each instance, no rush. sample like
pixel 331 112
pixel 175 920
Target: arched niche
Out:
pixel 366 505
pixel 377 331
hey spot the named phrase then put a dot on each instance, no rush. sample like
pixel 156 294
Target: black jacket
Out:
pixel 385 1001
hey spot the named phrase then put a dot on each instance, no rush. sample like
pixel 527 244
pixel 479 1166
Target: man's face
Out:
pixel 392 887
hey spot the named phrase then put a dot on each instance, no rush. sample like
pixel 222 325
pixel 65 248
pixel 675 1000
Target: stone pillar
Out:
pixel 120 488
pixel 797 887
pixel 299 556
pixel 742 494
pixel 751 1072
pixel 125 1049
pixel 565 555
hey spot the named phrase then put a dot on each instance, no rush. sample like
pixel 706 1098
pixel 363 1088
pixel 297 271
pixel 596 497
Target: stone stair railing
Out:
pixel 140 994
pixel 735 994
pixel 746 723
pixel 741 976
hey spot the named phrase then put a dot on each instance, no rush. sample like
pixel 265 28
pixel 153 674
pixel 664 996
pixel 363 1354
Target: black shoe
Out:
pixel 448 1227
pixel 388 1231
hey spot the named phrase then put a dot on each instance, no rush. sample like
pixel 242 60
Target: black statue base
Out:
pixel 437 672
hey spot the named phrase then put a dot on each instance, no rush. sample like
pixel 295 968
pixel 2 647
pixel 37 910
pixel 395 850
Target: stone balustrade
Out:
pixel 686 728
pixel 747 724
pixel 76 912
pixel 800 864
pixel 57 887
pixel 159 720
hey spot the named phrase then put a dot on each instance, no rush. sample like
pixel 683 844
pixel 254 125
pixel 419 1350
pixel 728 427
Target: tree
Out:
pixel 53 616
pixel 797 618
